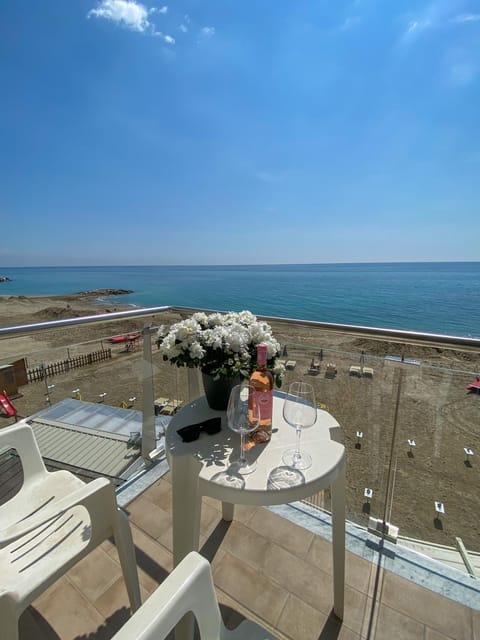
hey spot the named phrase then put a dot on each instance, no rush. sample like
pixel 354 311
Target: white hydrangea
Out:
pixel 220 344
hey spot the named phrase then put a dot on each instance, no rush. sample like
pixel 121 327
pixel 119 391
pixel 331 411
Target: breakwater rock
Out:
pixel 105 292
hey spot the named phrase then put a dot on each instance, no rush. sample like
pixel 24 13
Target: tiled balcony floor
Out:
pixel 265 568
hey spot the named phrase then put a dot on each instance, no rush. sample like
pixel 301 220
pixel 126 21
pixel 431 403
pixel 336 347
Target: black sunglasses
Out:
pixel 192 432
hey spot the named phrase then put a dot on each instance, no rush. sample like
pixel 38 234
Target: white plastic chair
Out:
pixel 49 525
pixel 188 588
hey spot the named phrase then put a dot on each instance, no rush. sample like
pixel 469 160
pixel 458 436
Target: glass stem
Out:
pixel 297 455
pixel 242 459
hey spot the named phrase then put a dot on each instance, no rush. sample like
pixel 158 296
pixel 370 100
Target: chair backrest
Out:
pixel 21 437
pixel 188 588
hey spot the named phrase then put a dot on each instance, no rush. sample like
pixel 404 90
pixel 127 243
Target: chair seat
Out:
pixel 36 496
pixel 47 550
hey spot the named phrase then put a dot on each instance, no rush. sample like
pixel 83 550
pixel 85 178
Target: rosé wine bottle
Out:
pixel 262 381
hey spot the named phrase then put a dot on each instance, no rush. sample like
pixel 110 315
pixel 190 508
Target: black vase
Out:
pixel 218 391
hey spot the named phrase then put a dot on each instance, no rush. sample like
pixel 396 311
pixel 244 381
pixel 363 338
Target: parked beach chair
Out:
pixel 367 372
pixel 314 368
pixel 52 522
pixel 331 370
pixel 159 405
pixel 290 364
pixel 356 371
pixel 171 407
pixel 188 588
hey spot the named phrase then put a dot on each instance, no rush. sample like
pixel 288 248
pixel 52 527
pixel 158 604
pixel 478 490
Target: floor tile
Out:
pixel 251 588
pixel 300 620
pixel 476 624
pixel 289 536
pixel 245 544
pixel 160 494
pixel 392 624
pixel 154 562
pixel 149 517
pixel 435 611
pixel 95 573
pixel 67 611
pixel 300 577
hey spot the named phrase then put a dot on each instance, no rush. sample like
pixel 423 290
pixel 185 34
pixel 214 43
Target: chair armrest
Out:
pixel 189 587
pixel 92 496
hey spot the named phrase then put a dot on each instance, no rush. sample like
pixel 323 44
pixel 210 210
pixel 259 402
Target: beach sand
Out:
pixel 435 409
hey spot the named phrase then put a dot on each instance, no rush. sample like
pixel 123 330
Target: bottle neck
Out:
pixel 262 357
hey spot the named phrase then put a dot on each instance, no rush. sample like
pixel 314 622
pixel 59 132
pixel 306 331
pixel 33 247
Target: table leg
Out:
pixel 186 507
pixel 338 542
pixel 227 511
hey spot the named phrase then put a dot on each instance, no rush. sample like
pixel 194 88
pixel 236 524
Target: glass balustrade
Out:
pixel 409 424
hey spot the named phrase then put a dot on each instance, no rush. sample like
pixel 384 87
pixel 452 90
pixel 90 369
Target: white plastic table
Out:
pixel 196 466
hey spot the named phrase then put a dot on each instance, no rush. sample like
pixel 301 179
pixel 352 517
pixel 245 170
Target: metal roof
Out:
pixel 91 437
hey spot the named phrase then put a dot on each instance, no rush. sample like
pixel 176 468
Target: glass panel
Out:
pixel 408 422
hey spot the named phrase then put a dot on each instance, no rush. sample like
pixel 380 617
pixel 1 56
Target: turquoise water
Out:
pixel 431 297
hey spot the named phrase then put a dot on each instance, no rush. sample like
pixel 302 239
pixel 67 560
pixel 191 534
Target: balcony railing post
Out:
pixel 193 381
pixel 149 439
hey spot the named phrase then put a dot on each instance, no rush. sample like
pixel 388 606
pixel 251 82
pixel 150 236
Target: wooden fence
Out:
pixel 63 366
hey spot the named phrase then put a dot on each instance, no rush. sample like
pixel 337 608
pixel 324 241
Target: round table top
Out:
pixel 272 482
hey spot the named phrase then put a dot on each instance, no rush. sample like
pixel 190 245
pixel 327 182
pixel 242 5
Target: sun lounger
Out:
pixel 314 368
pixel 171 407
pixel 331 370
pixel 290 364
pixel 355 371
pixel 368 372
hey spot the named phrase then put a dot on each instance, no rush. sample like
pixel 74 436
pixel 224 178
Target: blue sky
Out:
pixel 229 132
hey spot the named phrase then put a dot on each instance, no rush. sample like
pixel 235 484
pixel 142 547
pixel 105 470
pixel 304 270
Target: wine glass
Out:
pixel 243 415
pixel 299 411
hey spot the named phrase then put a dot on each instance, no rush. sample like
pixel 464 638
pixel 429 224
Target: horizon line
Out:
pixel 249 264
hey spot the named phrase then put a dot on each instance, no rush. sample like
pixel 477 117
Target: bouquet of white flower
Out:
pixel 221 345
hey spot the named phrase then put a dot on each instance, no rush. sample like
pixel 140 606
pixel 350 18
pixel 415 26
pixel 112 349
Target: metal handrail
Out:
pixel 376 333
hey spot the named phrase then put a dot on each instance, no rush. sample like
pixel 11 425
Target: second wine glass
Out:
pixel 299 411
pixel 243 415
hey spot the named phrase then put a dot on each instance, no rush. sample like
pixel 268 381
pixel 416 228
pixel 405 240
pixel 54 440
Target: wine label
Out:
pixel 265 402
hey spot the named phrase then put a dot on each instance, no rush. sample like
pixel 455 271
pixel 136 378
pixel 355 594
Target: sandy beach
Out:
pixel 435 408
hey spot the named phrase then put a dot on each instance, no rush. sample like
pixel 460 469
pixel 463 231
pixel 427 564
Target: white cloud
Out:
pixel 165 37
pixel 467 17
pixel 183 28
pixel 207 32
pixel 129 13
pixel 164 9
pixel 414 29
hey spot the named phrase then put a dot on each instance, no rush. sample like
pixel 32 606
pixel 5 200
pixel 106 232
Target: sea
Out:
pixel 432 297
